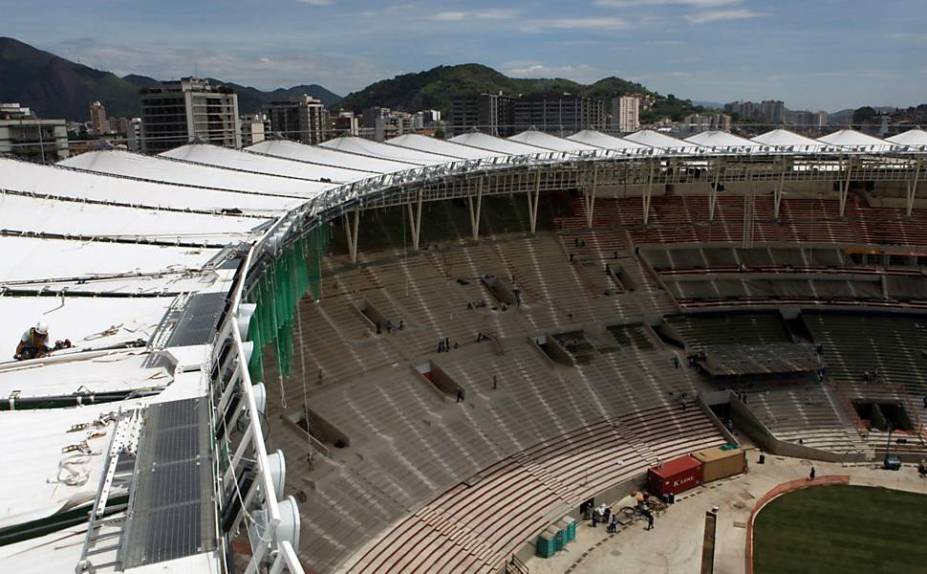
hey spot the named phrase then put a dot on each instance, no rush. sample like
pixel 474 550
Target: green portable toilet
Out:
pixel 559 541
pixel 568 527
pixel 546 545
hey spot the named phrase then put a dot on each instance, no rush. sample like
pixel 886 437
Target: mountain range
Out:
pixel 56 87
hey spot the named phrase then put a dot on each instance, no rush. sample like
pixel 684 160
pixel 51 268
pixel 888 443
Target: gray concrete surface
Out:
pixel 674 546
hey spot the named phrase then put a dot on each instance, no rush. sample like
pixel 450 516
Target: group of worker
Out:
pixel 34 343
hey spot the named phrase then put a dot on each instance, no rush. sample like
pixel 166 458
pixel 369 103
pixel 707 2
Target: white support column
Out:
pixel 713 192
pixel 533 196
pixel 648 193
pixel 475 209
pixel 589 196
pixel 415 219
pixel 780 187
pixel 845 186
pixel 351 226
pixel 912 188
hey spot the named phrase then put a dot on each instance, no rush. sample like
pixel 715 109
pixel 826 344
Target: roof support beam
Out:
pixel 533 196
pixel 912 188
pixel 845 186
pixel 415 219
pixel 777 192
pixel 648 193
pixel 713 190
pixel 475 208
pixel 589 196
pixel 749 209
pixel 351 226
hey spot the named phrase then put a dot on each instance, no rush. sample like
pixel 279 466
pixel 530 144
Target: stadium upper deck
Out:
pixel 157 270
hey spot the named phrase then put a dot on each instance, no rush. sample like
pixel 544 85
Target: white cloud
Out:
pixel 722 15
pixel 695 3
pixel 316 2
pixel 530 69
pixel 460 16
pixel 604 23
pixel 906 37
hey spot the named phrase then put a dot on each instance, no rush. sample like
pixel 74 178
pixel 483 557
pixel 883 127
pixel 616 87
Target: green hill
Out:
pixel 435 88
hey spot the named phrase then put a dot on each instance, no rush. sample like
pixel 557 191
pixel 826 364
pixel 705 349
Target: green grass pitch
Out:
pixel 842 530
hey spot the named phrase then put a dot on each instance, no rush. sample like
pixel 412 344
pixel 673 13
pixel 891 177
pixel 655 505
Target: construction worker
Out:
pixel 34 343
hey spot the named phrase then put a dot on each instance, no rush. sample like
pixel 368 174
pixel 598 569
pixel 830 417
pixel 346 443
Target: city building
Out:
pixel 822 119
pixel 303 119
pixel 344 124
pixel 253 129
pixel 25 136
pixel 177 113
pixel 559 113
pixel 769 112
pixel 134 134
pixel 695 123
pixel 425 119
pixel 488 113
pixel 626 114
pixel 98 123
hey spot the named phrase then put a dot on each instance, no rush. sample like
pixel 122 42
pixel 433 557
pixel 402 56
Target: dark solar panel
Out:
pixel 199 320
pixel 172 511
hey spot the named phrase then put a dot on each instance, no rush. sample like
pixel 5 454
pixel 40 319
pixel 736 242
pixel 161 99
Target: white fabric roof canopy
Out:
pixel 499 145
pixel 724 140
pixel 28 258
pixel 547 141
pixel 364 147
pixel 324 156
pixel 426 143
pixel 167 170
pixel 255 163
pixel 788 140
pixel 605 141
pixel 661 141
pixel 910 138
pixel 95 322
pixel 853 139
pixel 79 184
pixel 34 215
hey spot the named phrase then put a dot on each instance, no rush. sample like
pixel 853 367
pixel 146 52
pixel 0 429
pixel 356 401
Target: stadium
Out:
pixel 420 354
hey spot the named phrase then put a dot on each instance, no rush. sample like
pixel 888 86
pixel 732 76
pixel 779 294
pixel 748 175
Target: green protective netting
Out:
pixel 276 295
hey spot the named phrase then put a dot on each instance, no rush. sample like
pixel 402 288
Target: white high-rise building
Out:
pixel 177 113
pixel 626 114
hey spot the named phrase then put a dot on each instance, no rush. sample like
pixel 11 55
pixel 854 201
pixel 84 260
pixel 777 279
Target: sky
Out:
pixel 813 54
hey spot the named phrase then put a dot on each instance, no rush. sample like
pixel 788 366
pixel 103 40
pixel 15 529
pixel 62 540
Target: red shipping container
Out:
pixel 675 476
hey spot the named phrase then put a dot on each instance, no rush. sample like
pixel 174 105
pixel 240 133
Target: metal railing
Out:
pixel 231 355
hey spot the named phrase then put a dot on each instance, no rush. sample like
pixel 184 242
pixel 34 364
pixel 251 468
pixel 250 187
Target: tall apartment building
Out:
pixel 177 113
pixel 253 129
pixel 134 134
pixel 557 113
pixel 771 112
pixel 707 121
pixel 98 122
pixel 27 137
pixel 626 114
pixel 303 119
pixel 488 113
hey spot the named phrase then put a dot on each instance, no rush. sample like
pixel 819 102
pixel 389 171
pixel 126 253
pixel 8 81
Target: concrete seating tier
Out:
pixel 474 527
pixel 698 331
pixel 684 219
pixel 856 344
